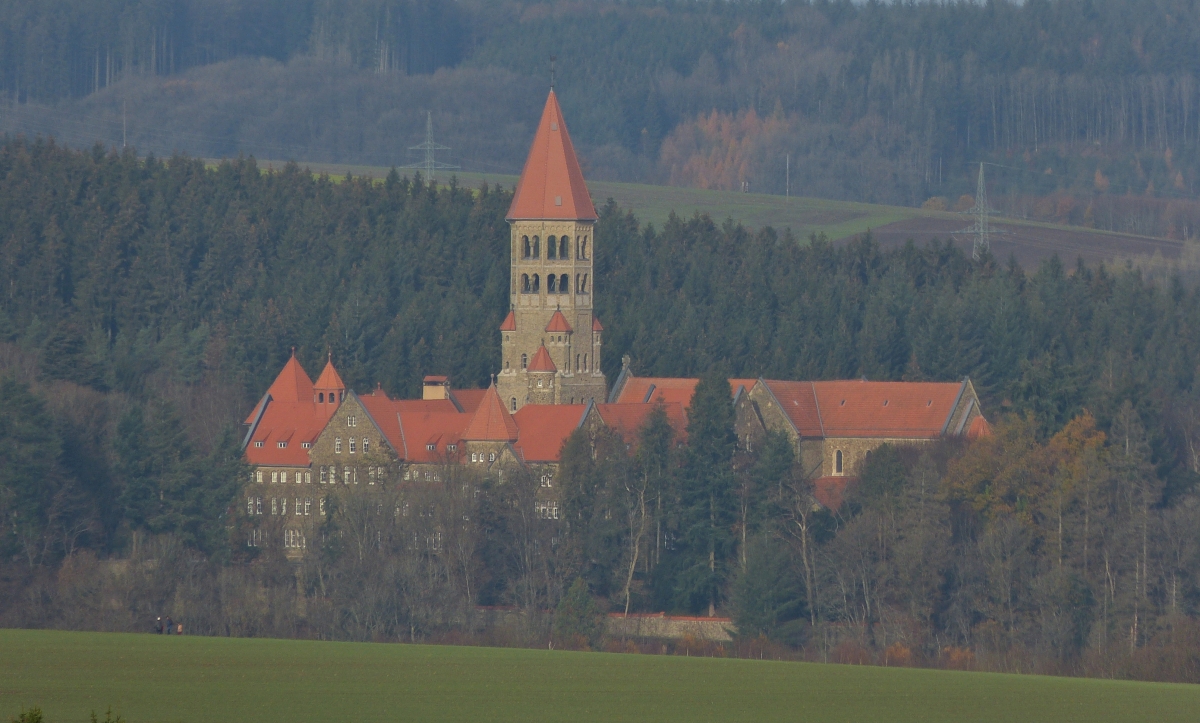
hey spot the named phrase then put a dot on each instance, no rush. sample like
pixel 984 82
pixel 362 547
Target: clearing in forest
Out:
pixel 195 680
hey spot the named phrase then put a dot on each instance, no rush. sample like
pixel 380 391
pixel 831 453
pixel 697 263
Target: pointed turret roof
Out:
pixel 292 384
pixel 558 323
pixel 510 322
pixel 551 184
pixel 329 378
pixel 492 422
pixel 596 325
pixel 542 361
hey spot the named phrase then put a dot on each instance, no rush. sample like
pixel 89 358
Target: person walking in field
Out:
pixel 168 630
pixel 158 626
pixel 179 629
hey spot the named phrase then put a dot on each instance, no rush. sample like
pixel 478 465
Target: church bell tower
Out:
pixel 551 338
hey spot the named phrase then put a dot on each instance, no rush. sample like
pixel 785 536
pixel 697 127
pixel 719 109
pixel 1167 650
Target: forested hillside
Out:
pixel 886 102
pixel 148 303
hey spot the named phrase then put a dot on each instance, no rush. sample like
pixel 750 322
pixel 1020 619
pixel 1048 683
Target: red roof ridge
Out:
pixel 542 361
pixel 491 422
pixel 551 184
pixel 559 323
pixel 510 322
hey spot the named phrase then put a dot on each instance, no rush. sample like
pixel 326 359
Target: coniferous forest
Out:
pixel 147 303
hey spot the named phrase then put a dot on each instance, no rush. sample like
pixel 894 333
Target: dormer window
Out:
pixel 258 443
pixel 431 447
pixel 452 447
pixel 282 445
pixel 306 445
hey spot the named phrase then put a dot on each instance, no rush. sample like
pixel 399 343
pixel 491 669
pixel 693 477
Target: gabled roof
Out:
pixel 510 322
pixel 596 325
pixel 551 184
pixel 867 409
pixel 286 414
pixel 679 390
pixel 329 378
pixel 491 421
pixel 979 428
pixel 468 399
pixel 542 362
pixel 558 323
pixel 543 429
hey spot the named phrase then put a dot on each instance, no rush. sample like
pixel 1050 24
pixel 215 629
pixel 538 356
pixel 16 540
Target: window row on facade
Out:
pixel 555 284
pixel 352 443
pixel 557 248
pixel 301 506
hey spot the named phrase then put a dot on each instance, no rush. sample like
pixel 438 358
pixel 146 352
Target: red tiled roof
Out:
pixel 292 384
pixel 468 399
pixel 329 378
pixel 510 322
pixel 558 322
pixel 551 184
pixel 435 379
pixel 831 491
pixel 628 419
pixel 291 416
pixel 677 390
pixel 491 421
pixel 596 325
pixel 544 427
pixel 542 362
pixel 867 409
pixel 979 428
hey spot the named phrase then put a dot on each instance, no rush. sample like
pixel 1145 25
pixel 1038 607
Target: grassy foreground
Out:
pixel 159 678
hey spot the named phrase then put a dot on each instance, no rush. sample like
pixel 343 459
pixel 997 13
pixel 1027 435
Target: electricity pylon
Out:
pixel 981 229
pixel 430 165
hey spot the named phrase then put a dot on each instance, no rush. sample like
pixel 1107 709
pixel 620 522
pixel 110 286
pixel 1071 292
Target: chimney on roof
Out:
pixel 436 387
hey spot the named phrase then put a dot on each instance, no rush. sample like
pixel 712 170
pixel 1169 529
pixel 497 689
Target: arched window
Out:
pixel 512 405
pixel 577 278
pixel 585 362
pixel 583 285
pixel 536 248
pixel 506 364
pixel 524 283
pixel 562 248
pixel 525 247
pixel 583 249
pixel 321 397
pixel 524 361
pixel 564 284
pixel 837 462
pixel 576 362
pixel 537 284
pixel 551 284
pixel 551 248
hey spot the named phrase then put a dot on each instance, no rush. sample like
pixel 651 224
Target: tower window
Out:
pixel 525 253
pixel 585 362
pixel 525 283
pixel 551 248
pixel 564 284
pixel 513 404
pixel 537 284
pixel 321 397
pixel 583 248
pixel 837 462
pixel 551 284
pixel 577 278
pixel 524 361
pixel 562 248
pixel 536 248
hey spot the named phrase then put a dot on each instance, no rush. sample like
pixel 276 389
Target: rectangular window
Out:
pixel 307 506
pixel 366 444
pixel 356 475
pixel 275 478
pixel 259 475
pixel 274 506
pixel 322 506
pixel 324 474
pixel 371 475
pixel 249 505
pixel 351 421
pixel 259 505
pixel 299 510
pixel 352 445
pixel 283 477
pixel 283 505
pixel 346 476
pixel 337 446
pixel 308 478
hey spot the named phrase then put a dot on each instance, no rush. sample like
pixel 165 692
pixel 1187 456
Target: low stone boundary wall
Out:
pixel 674 627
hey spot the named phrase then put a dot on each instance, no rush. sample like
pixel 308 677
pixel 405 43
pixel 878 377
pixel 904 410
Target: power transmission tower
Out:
pixel 981 229
pixel 430 165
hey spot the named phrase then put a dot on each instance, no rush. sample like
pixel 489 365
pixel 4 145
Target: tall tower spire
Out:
pixel 551 219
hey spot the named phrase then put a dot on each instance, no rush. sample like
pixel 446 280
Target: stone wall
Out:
pixel 671 627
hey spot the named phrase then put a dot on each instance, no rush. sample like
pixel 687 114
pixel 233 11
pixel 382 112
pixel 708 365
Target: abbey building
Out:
pixel 307 441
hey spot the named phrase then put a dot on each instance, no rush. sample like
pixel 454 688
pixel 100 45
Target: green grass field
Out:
pixel 159 678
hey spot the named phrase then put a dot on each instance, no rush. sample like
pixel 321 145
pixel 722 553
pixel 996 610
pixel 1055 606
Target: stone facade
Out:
pixel 542 283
